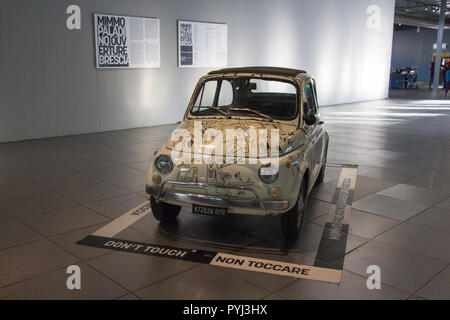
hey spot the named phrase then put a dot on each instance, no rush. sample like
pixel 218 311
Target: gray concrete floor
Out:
pixel 54 192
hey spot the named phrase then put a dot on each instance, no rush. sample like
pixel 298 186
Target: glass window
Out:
pixel 310 107
pixel 246 97
pixel 226 94
pixel 265 86
pixel 207 94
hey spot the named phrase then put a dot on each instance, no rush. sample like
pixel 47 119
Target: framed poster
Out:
pixel 126 42
pixel 202 45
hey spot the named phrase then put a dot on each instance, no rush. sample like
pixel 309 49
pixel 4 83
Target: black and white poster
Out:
pixel 127 42
pixel 202 45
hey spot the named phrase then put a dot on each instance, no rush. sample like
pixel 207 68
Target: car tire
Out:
pixel 321 176
pixel 291 221
pixel 164 212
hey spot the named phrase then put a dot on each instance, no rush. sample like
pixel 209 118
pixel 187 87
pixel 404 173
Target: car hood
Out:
pixel 290 136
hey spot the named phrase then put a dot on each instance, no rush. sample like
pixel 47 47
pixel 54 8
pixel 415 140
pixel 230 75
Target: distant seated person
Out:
pixel 397 69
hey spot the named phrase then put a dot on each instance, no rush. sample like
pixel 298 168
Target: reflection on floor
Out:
pixel 421 92
pixel 54 192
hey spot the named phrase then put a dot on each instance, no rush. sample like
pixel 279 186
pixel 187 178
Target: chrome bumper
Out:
pixel 215 201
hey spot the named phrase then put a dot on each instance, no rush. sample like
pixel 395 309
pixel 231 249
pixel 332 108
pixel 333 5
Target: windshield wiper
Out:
pixel 217 109
pixel 254 111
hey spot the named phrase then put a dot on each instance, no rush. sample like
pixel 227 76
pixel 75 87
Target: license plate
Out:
pixel 208 211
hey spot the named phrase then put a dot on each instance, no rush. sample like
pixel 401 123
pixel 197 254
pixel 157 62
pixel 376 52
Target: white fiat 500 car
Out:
pixel 252 142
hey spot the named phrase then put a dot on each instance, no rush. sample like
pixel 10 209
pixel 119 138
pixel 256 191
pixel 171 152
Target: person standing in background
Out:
pixel 447 79
pixel 444 70
pixel 432 65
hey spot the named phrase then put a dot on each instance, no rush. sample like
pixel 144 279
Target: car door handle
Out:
pixel 321 122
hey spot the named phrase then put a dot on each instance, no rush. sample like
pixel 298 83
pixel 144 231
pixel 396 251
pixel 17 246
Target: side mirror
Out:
pixel 310 119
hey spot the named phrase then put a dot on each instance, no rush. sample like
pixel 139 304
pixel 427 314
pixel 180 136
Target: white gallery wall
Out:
pixel 49 85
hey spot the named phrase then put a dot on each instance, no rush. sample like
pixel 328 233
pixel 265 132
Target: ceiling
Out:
pixel 426 9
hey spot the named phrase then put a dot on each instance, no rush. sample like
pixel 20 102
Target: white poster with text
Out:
pixel 202 45
pixel 126 42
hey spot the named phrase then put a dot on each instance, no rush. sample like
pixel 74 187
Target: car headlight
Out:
pixel 164 163
pixel 269 175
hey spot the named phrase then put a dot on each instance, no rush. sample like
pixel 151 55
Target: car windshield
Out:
pixel 246 97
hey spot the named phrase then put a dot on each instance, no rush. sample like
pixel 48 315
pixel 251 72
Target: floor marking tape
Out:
pixel 193 255
pixel 277 268
pixel 333 244
pixel 216 259
pixel 342 165
pixel 329 260
pixel 124 221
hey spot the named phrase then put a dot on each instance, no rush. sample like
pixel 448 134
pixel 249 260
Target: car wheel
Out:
pixel 291 221
pixel 321 176
pixel 164 212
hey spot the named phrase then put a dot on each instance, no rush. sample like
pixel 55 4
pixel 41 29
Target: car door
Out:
pixel 316 131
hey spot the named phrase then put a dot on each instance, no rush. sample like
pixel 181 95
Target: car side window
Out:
pixel 310 107
pixel 315 95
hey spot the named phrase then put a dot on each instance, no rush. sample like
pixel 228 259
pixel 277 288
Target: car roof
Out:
pixel 261 70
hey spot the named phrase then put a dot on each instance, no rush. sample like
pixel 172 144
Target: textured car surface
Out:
pixel 302 152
